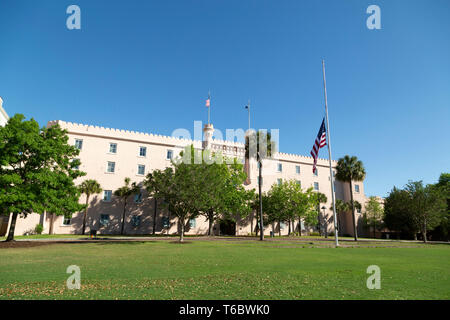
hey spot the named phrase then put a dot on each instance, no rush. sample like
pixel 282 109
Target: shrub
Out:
pixel 314 234
pixel 39 228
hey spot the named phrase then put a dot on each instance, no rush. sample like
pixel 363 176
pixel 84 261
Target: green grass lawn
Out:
pixel 223 270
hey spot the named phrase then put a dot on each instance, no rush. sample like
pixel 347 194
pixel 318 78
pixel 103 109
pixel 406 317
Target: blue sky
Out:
pixel 148 65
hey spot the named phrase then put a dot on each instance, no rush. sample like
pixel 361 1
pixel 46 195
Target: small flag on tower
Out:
pixel 321 141
pixel 208 101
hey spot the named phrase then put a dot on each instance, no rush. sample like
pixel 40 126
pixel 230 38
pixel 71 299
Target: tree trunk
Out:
pixel 289 228
pixel 154 216
pixel 182 230
pixel 210 224
pixel 12 227
pixel 85 215
pixel 299 226
pixel 251 222
pixel 415 236
pixel 424 232
pixel 123 217
pixel 279 227
pixel 293 225
pixel 52 220
pixel 353 212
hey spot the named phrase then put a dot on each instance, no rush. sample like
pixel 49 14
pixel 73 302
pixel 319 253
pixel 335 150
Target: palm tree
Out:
pixel 124 192
pixel 89 187
pixel 351 169
pixel 260 145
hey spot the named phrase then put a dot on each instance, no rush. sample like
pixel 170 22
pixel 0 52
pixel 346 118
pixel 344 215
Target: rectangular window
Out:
pixel 316 186
pixel 107 195
pixel 141 169
pixel 280 181
pixel 165 222
pixel 111 167
pixel 142 151
pixel 357 188
pixel 282 225
pixel 67 221
pixel 297 169
pixel 76 167
pixel 280 167
pixel 191 223
pixel 138 197
pixel 136 221
pixel 78 144
pixel 316 173
pixel 169 155
pixel 113 148
pixel 104 220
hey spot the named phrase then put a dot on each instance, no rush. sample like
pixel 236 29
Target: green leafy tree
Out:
pixel 397 213
pixel 350 169
pixel 88 187
pixel 217 183
pixel 124 193
pixel 176 188
pixel 37 170
pixel 427 206
pixel 374 214
pixel 416 208
pixel 442 231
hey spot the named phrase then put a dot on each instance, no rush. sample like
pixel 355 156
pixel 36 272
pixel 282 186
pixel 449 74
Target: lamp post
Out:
pixel 325 222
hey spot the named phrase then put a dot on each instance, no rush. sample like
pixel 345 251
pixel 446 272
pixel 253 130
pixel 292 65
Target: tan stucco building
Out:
pixel 109 155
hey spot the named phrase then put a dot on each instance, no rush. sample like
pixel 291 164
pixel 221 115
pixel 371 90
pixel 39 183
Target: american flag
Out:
pixel 321 141
pixel 208 101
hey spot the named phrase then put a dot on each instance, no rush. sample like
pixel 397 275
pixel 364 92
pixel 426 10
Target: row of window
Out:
pixel 113 149
pixel 297 169
pixel 135 221
pixel 107 194
pixel 111 168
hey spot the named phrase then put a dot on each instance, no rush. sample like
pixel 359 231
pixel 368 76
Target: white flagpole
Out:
pixel 329 156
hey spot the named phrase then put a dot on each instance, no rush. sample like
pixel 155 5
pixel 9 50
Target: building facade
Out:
pixel 110 155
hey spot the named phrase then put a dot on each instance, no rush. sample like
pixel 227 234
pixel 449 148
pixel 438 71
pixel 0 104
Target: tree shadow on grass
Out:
pixel 181 242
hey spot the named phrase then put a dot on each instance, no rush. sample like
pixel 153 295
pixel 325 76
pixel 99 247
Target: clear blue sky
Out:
pixel 148 65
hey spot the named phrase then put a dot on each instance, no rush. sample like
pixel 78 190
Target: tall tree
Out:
pixel 88 187
pixel 351 169
pixel 426 205
pixel 37 170
pixel 124 193
pixel 374 214
pixel 176 188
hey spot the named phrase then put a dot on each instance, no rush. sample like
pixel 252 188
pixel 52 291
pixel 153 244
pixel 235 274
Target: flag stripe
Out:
pixel 320 142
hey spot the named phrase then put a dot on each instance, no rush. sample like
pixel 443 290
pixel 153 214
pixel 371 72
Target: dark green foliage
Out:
pixel 37 170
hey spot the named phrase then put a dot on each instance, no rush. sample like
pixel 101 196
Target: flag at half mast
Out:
pixel 321 141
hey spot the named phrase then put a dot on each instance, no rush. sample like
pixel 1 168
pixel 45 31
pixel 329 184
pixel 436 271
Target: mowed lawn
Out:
pixel 223 270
